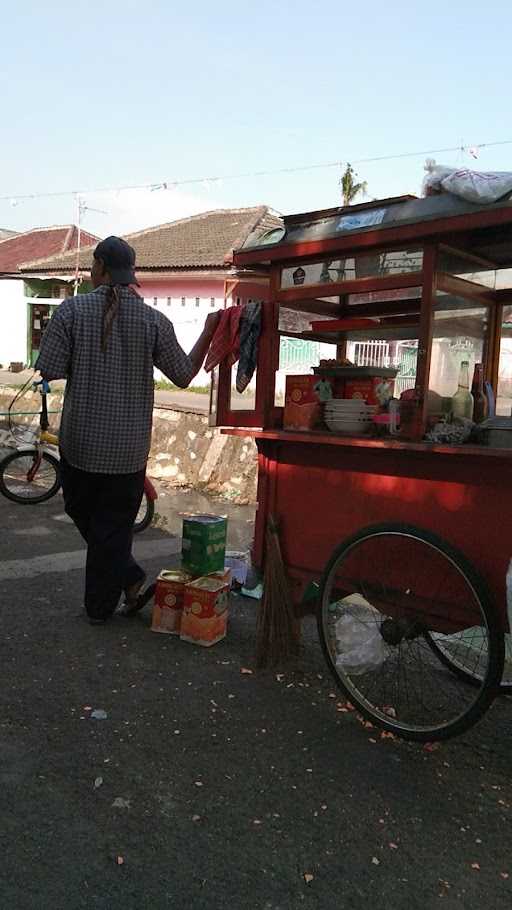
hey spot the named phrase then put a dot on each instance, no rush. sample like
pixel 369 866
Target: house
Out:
pixel 184 268
pixel 5 234
pixel 26 302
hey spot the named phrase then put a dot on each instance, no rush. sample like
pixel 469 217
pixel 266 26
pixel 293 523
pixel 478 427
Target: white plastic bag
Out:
pixel 473 186
pixel 435 174
pixel 359 644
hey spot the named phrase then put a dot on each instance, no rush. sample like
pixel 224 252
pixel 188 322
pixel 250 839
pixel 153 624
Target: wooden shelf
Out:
pixel 320 437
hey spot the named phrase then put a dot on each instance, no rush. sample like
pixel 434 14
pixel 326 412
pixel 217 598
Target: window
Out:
pixel 212 302
pixel 168 301
pixel 155 301
pixel 183 301
pixel 198 301
pixel 504 396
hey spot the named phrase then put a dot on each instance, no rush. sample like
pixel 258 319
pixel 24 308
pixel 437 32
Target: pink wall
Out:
pixel 179 287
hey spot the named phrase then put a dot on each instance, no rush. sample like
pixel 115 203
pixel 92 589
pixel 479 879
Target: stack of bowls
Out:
pixel 349 415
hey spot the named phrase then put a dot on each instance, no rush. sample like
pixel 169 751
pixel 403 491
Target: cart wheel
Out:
pixel 17 482
pixel 386 594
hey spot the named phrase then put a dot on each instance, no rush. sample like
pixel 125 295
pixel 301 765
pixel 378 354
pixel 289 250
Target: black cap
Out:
pixel 118 257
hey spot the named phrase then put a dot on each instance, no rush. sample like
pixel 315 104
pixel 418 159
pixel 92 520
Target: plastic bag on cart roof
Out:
pixel 473 186
pixel 476 186
pixel 359 643
pixel 435 174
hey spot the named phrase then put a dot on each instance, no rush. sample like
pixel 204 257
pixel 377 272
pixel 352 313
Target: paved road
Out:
pixel 176 398
pixel 218 788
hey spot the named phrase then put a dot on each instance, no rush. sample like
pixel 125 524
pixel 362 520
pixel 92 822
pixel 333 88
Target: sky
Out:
pixel 129 93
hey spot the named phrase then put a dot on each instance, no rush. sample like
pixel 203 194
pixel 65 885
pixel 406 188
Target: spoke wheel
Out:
pixel 145 514
pixel 17 482
pixel 458 658
pixel 387 595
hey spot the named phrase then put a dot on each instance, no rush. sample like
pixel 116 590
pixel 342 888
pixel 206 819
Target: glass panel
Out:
pixel 214 391
pixel 504 396
pixel 385 296
pixel 296 322
pixel 460 333
pixel 398 354
pixel 297 356
pixel 374 265
pixel 463 267
pixel 246 400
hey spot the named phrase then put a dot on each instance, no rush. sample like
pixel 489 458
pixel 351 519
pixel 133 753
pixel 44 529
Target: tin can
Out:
pixel 205 611
pixel 204 544
pixel 169 598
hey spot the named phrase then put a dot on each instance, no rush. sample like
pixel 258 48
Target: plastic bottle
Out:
pixel 462 401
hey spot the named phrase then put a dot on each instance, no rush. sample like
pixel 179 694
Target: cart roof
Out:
pixel 484 229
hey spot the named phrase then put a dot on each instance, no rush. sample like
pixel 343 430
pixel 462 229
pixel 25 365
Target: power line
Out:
pixel 172 184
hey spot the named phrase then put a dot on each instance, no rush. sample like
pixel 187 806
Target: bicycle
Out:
pixel 31 474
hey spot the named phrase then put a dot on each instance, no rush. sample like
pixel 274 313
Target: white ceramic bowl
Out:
pixel 346 402
pixel 350 427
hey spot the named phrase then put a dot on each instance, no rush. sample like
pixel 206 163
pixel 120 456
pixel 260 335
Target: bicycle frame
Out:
pixel 44 438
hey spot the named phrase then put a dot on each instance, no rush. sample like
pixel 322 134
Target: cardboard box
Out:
pixel 204 544
pixel 369 388
pixel 304 399
pixel 205 611
pixel 169 599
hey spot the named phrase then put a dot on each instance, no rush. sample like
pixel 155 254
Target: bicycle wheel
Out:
pixel 384 593
pixel 458 659
pixel 145 514
pixel 25 481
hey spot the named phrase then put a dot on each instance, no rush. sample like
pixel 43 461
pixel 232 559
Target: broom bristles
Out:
pixel 277 629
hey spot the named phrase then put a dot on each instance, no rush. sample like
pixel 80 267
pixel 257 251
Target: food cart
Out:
pixel 407 539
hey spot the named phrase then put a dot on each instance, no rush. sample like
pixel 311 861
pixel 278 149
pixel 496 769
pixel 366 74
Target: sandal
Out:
pixel 133 601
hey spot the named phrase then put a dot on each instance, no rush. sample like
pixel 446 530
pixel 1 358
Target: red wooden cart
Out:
pixel 408 540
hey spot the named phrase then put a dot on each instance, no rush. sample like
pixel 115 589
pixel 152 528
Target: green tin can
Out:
pixel 204 544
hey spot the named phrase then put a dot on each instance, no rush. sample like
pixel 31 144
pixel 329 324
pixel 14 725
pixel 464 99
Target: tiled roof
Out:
pixel 39 243
pixel 202 241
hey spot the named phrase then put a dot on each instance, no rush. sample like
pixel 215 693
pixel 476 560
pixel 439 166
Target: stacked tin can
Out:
pixel 192 601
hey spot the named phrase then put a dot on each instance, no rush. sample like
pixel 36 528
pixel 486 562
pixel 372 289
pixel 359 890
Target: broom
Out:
pixel 277 628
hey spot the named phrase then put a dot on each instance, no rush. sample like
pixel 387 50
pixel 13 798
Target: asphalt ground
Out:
pixel 209 786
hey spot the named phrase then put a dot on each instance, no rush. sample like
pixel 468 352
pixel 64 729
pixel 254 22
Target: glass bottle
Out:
pixel 462 401
pixel 477 391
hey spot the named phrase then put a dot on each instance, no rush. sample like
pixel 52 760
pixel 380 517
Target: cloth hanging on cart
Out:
pixel 225 345
pixel 236 338
pixel 250 328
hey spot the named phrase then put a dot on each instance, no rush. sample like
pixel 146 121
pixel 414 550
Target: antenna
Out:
pixel 81 209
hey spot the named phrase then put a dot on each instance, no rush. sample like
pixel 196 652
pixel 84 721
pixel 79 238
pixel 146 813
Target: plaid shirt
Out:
pixel 108 404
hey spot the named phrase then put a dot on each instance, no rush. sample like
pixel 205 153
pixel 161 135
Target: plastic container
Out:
pixel 496 432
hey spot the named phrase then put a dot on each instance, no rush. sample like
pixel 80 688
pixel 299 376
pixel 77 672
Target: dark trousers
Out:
pixel 104 508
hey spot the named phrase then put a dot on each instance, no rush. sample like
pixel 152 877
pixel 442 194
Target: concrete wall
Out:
pixel 185 451
pixel 13 322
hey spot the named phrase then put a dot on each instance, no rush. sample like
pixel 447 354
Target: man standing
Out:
pixel 105 344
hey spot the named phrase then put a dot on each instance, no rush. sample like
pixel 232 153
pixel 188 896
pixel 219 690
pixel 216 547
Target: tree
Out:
pixel 350 189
